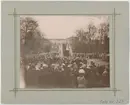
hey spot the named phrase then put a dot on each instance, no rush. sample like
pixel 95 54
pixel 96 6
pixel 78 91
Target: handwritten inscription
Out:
pixel 119 101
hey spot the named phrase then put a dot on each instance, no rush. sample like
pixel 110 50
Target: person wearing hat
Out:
pixel 81 79
pixel 105 76
pixel 91 75
pixel 82 65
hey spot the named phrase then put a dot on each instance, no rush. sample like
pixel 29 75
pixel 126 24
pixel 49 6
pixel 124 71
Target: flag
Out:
pixel 61 50
pixel 69 49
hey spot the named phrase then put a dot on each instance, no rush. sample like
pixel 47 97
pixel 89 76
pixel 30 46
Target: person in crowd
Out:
pixel 91 75
pixel 98 76
pixel 44 66
pixel 105 76
pixel 37 66
pixel 75 66
pixel 68 70
pixel 81 79
pixel 74 74
pixel 82 65
pixel 41 67
pixel 28 66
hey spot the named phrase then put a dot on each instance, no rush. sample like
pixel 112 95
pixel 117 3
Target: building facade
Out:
pixel 61 46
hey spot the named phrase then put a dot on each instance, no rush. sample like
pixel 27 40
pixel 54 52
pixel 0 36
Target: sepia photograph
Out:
pixel 65 48
pixel 61 51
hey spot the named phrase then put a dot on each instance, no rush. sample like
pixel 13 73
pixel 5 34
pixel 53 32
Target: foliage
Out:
pixel 95 39
pixel 32 40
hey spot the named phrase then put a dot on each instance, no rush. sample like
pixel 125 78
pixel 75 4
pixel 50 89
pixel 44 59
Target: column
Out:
pixel 61 50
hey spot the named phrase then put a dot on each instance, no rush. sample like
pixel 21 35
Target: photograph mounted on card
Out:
pixel 62 49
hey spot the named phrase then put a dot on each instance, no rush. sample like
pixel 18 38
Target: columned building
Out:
pixel 62 47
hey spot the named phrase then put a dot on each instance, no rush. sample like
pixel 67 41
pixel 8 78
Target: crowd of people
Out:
pixel 78 71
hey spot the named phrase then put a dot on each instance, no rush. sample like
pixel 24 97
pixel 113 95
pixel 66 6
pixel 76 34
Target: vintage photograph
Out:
pixel 64 51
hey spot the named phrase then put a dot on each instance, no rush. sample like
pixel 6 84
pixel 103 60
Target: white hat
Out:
pixel 45 65
pixel 69 65
pixel 81 71
pixel 63 64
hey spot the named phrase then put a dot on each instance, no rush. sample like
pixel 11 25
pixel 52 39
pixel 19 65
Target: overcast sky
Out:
pixel 60 27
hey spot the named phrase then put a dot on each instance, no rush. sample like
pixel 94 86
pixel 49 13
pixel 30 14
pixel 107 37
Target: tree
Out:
pixel 45 45
pixel 27 29
pixel 103 30
pixel 80 34
pixel 89 41
pixel 92 30
pixel 104 36
pixel 32 41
